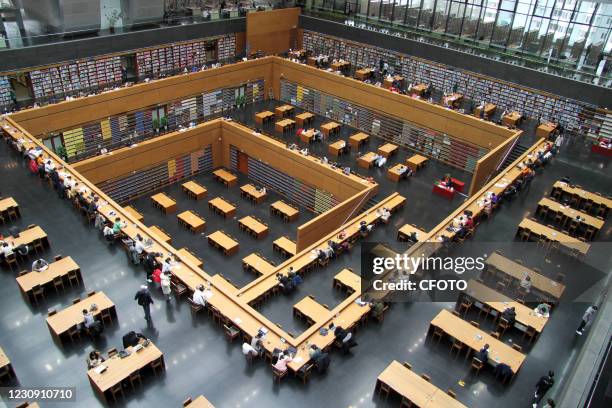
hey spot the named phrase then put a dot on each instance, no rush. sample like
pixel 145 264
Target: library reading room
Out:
pixel 311 203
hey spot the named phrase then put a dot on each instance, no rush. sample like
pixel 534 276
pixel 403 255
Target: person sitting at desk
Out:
pixel 262 190
pixel 94 359
pixel 384 214
pixel 379 160
pixel 285 283
pixel 117 225
pixel 483 354
pixel 364 228
pixel 108 233
pixel 344 337
pixel 131 339
pixel 281 363
pixel 6 250
pixel 39 265
pixel 404 172
pixel 201 295
pixel 526 283
pixel 167 265
pixel 509 314
pixel 447 181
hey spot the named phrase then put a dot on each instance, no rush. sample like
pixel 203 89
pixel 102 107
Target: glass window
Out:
pixel 502 28
pixel 440 15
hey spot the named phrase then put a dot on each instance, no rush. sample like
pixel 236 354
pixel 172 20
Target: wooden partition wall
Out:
pixel 486 165
pixel 68 114
pixel 273 31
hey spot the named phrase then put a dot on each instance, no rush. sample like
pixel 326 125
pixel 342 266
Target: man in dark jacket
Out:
pixel 132 338
pixel 150 264
pixel 543 385
pixel 143 297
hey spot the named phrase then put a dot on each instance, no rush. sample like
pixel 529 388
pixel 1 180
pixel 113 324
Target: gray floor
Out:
pixel 199 359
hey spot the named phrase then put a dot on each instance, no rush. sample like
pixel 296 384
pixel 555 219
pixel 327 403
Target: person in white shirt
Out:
pixel 165 284
pixel 201 295
pixel 39 265
pixel 6 250
pixel 167 265
pixel 88 319
pixel 385 215
pixel 49 166
pixel 138 245
pixel 526 283
pixel 108 232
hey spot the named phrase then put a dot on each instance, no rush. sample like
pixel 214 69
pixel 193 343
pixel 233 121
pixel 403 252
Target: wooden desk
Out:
pixel 306 136
pixel 254 227
pixel 192 221
pixel 338 148
pixel 7 203
pixel 358 139
pixel 367 160
pixel 341 65
pixel 187 257
pixel 71 316
pixel 219 240
pixel 475 339
pixel 545 129
pixel 349 280
pixel 311 309
pixel 285 246
pixel 404 233
pixel 222 207
pixel 517 271
pixel 525 317
pixel 570 213
pixel 553 235
pixel 394 174
pixel 160 234
pixel 584 195
pixel 284 125
pixel 489 109
pixel 119 369
pixel 134 213
pixel 56 269
pixel 415 388
pixel 363 73
pixel 200 402
pixel 453 100
pixel 263 117
pixel 416 161
pixel 419 89
pixel 250 192
pixel 330 128
pixel 283 111
pixel 5 362
pixel 225 177
pixel 284 210
pixel 257 264
pixel 387 150
pixel 304 118
pixel 28 236
pixel 164 203
pixel 194 190
pixel 512 119
pixel 219 281
pixel 388 81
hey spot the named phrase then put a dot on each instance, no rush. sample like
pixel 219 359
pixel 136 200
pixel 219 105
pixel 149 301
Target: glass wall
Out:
pixel 569 33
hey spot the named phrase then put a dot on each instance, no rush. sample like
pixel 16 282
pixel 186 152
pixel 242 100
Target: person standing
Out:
pixel 543 385
pixel 587 319
pixel 165 285
pixel 143 297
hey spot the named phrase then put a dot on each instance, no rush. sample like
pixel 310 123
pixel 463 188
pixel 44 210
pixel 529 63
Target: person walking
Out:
pixel 143 297
pixel 587 319
pixel 166 285
pixel 543 385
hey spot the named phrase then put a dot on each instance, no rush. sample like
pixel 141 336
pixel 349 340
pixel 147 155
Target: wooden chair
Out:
pixel 457 345
pixel 407 365
pixel 38 292
pixel 11 260
pixel 58 282
pixel 187 402
pixel 158 365
pixel 382 387
pixel 517 347
pixel 23 273
pixel 231 332
pixel 73 333
pixel 304 372
pixel 465 306
pixel 38 245
pixel 495 335
pixel 115 390
pixel 51 312
pixel 195 307
pixel 73 277
pixel 278 375
pixel 452 393
pixel 91 293
pixel 475 324
pixel 112 352
pixel 502 326
pixel 456 313
pixel 106 316
pixel 437 332
pixel 426 377
pixel 76 300
pixel 58 258
pixel 530 333
pixel 476 365
pixel 179 289
pixel 133 377
pixel 405 403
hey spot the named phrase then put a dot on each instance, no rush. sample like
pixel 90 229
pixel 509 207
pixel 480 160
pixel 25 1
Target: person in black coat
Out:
pixel 150 264
pixel 132 338
pixel 144 299
pixel 543 385
pixel 345 338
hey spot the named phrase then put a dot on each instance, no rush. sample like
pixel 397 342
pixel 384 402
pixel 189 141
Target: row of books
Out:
pixel 6 99
pixel 531 103
pixel 81 75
